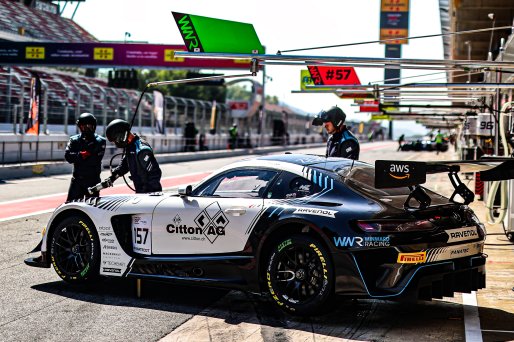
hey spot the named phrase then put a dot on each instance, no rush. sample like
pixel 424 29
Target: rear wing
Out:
pixel 397 173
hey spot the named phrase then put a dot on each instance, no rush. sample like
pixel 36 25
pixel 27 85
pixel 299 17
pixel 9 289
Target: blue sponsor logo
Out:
pixel 357 241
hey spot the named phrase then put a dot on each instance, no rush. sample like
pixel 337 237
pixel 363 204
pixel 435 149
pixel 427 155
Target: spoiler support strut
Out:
pixel 460 189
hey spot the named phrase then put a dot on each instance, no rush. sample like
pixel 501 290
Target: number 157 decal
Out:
pixel 141 234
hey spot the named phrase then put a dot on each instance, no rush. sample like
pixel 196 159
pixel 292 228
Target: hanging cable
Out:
pixel 393 39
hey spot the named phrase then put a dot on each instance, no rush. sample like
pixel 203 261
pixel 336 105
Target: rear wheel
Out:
pixel 300 275
pixel 75 250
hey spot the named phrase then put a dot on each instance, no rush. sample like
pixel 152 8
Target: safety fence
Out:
pixel 27 148
pixel 65 96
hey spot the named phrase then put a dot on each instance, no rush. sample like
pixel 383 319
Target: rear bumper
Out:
pixel 421 281
pixel 438 281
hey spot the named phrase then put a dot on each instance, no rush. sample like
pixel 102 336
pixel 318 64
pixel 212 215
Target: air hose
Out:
pixel 502 185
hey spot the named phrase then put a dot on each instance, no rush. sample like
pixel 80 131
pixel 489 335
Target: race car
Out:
pixel 302 228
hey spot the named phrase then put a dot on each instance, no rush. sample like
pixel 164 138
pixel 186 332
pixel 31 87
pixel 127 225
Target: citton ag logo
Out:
pixel 402 169
pixel 411 258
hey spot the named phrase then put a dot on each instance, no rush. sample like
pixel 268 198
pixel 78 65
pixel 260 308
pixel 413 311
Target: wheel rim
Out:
pixel 299 274
pixel 72 250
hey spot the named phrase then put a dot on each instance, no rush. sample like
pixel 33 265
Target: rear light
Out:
pixel 396 226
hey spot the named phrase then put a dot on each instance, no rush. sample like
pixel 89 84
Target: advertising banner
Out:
pixel 32 126
pixel 394 21
pixel 107 55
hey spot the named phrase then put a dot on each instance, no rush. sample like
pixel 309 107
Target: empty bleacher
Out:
pixel 40 25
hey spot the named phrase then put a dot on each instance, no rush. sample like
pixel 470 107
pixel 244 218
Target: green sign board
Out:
pixel 203 34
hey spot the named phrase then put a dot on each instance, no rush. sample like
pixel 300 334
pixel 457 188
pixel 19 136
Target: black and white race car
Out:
pixel 299 227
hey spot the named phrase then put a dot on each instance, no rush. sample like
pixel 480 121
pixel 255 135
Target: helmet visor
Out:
pixel 120 139
pixel 321 118
pixel 87 128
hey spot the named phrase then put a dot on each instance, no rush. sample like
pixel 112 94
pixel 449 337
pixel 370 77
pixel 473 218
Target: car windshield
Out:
pixel 248 183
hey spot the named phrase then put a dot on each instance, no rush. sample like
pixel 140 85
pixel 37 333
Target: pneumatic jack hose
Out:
pixel 502 185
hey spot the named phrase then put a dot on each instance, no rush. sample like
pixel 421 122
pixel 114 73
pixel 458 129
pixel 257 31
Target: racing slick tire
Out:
pixel 75 250
pixel 299 275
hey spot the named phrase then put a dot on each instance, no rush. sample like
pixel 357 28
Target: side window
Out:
pixel 247 183
pixel 289 185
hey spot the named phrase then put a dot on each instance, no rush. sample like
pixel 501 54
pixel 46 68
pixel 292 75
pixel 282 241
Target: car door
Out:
pixel 216 218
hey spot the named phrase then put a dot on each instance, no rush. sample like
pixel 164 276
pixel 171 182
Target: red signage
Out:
pixel 369 106
pixel 239 105
pixel 333 75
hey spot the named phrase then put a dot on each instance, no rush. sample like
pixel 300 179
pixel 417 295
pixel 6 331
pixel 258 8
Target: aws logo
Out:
pixel 395 169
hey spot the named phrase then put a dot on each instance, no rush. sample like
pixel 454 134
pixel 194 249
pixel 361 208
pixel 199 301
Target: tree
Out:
pixel 187 90
pixel 272 99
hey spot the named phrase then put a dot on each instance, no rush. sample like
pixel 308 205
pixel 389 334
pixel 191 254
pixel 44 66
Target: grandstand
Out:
pixel 66 94
pixel 24 23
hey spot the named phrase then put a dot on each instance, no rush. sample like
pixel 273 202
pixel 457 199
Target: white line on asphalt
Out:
pixel 471 318
pixel 26 215
pixel 65 193
pixel 34 198
pixel 50 210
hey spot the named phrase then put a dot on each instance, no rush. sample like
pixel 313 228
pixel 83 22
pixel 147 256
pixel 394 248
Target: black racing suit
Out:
pixel 85 152
pixel 143 167
pixel 343 144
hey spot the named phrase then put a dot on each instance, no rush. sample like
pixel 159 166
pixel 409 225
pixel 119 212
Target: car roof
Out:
pixel 300 164
pixel 311 160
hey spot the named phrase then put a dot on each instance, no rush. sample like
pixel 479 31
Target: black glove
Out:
pixel 109 181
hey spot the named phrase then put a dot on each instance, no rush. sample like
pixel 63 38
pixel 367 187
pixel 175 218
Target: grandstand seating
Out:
pixel 40 25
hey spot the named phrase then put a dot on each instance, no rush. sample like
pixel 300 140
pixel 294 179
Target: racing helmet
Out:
pixel 334 115
pixel 86 123
pixel 117 132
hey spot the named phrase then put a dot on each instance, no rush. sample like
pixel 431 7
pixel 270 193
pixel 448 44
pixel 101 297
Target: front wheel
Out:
pixel 300 275
pixel 75 250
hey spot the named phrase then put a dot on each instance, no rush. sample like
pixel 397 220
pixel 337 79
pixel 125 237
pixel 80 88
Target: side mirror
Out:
pixel 185 191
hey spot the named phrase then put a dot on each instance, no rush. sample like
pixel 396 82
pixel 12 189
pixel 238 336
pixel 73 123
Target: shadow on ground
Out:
pixel 361 319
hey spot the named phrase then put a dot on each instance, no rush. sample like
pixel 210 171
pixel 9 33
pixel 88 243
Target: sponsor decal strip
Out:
pixel 411 258
pixel 255 220
pixel 316 212
pixel 462 234
pixel 453 252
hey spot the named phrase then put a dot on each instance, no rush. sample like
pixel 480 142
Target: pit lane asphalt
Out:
pixel 37 305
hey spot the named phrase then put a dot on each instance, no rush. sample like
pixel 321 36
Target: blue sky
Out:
pixel 280 25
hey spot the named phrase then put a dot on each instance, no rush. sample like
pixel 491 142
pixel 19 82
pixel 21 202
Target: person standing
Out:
pixel 190 133
pixel 400 141
pixel 233 136
pixel 85 151
pixel 138 158
pixel 439 141
pixel 341 143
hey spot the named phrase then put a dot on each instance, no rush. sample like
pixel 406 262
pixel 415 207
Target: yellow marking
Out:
pixel 412 258
pixel 400 177
pixel 34 52
pixel 169 56
pixel 103 54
